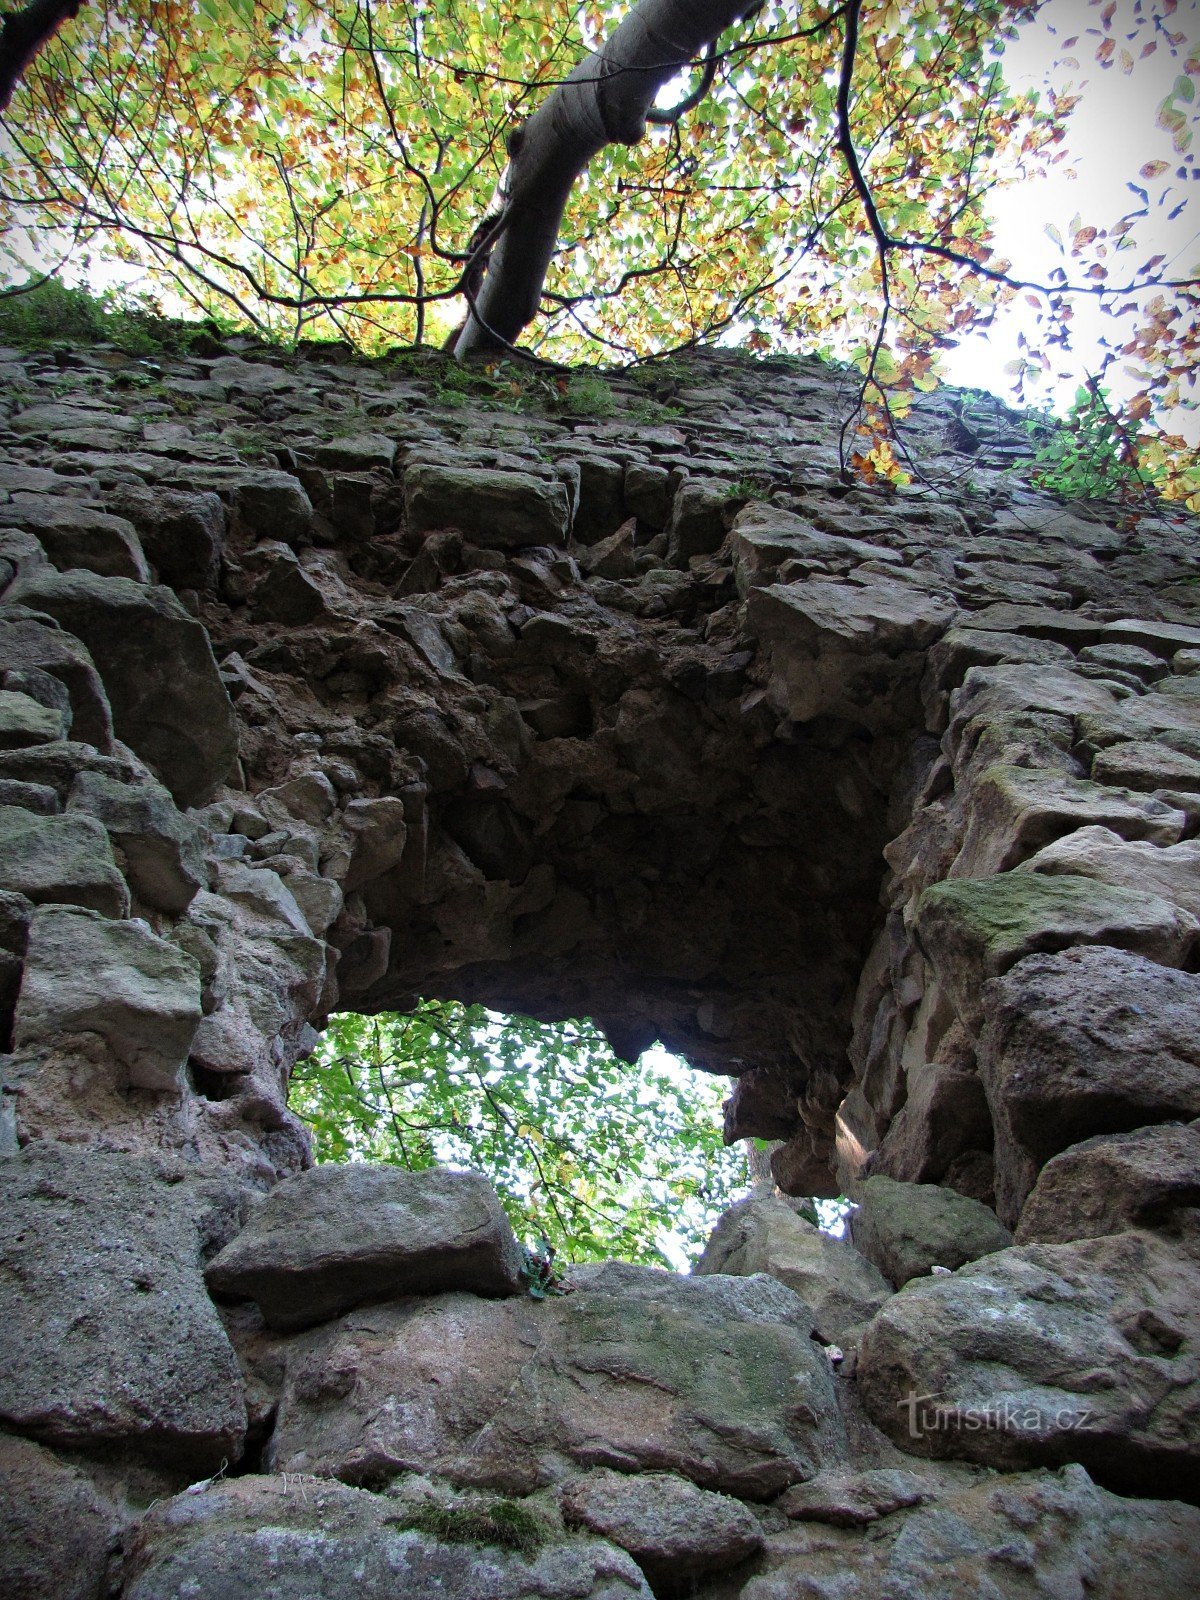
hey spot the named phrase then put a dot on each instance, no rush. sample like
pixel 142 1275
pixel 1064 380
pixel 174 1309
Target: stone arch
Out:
pixel 322 687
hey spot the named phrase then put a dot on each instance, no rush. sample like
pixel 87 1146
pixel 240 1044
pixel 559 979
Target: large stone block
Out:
pixel 966 1538
pixel 110 1340
pixel 763 1233
pixel 675 1532
pixel 77 535
pixel 973 929
pixel 57 1534
pixel 64 860
pixel 337 1236
pixel 168 701
pixel 162 854
pixel 1169 871
pixel 25 721
pixel 1115 1181
pixel 853 650
pixel 1013 811
pixel 87 974
pixel 713 1378
pixel 305 1539
pixel 503 509
pixel 1086 1042
pixel 27 645
pixel 1046 1354
pixel 907 1228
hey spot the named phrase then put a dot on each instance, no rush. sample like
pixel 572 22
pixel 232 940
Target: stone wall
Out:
pixel 331 684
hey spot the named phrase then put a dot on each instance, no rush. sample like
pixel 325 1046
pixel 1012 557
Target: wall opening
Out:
pixel 594 1157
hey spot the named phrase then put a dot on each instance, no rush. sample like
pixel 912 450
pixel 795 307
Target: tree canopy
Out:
pixel 821 181
pixel 595 1157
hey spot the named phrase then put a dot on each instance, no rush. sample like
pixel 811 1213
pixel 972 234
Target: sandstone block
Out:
pixel 675 1532
pixel 57 1533
pixel 66 860
pixel 1114 1182
pixel 30 646
pixel 1013 811
pixel 763 1233
pixel 168 700
pixel 1003 1538
pixel 110 1339
pixel 1045 1354
pixel 296 1540
pixel 86 974
pixel 336 1236
pixel 24 721
pixel 1086 1042
pixel 714 1378
pixel 973 929
pixel 162 854
pixel 1170 871
pixel 907 1228
pixel 494 509
pixel 77 535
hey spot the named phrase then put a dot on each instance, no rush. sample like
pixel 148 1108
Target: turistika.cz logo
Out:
pixel 927 1414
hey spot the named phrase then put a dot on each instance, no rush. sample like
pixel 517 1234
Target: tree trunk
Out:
pixel 604 101
pixel 23 35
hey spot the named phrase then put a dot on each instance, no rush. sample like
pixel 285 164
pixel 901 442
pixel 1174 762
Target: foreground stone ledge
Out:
pixel 716 1379
pixel 1006 1538
pixel 297 1538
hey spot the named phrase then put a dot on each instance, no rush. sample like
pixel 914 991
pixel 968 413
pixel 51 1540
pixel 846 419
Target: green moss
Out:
pixel 505 1523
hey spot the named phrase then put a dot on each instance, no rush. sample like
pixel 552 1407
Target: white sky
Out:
pixel 1111 135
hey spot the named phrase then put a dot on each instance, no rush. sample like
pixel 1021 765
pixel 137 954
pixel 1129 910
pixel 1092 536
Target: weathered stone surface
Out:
pixel 24 721
pixel 27 645
pixel 357 452
pixel 163 862
pixel 1171 871
pixel 907 1228
pixel 1141 765
pixel 696 525
pixel 494 509
pixel 168 701
pixel 973 929
pixel 675 1532
pixel 1014 811
pixel 1043 1354
pixel 763 1233
pixel 182 531
pixel 337 1236
pixel 765 537
pixel 1086 1042
pixel 297 1539
pixel 110 1338
pixel 1113 1182
pixel 67 860
pixel 1030 1534
pixel 848 649
pixel 846 1498
pixel 86 974
pixel 713 1378
pixel 76 535
pixel 57 1534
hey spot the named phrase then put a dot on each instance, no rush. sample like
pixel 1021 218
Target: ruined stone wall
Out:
pixel 330 684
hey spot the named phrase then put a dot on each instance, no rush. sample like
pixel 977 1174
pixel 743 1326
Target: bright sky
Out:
pixel 1112 134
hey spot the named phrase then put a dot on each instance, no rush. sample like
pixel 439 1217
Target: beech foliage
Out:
pixel 820 178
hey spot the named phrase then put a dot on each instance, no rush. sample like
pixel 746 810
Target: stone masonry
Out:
pixel 328 684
